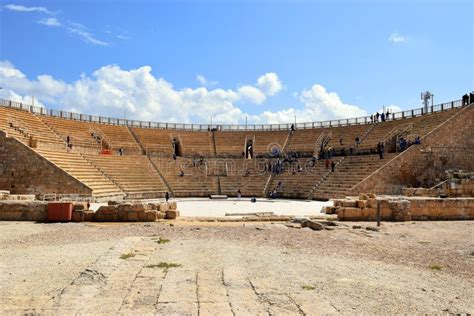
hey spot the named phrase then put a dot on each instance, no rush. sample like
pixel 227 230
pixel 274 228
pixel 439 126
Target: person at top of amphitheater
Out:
pixel 465 99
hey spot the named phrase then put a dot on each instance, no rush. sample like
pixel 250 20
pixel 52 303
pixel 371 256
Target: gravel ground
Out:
pixel 236 269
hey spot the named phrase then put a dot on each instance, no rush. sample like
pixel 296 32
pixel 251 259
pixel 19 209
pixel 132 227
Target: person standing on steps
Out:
pixel 167 196
pixel 333 165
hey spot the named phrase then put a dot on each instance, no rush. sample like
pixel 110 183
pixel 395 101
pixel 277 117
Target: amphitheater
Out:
pixel 201 160
pixel 332 261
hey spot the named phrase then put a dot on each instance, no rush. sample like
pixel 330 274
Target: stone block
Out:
pixel 330 209
pixel 151 215
pixel 113 203
pixel 107 213
pixel 153 206
pixel 361 203
pixel 132 216
pixel 23 210
pixel 89 216
pixel 107 209
pixel 77 216
pixel 160 215
pixel 371 203
pixel 363 196
pixel 172 214
pixel 124 207
pixel 79 206
pixel 349 203
pixel 139 207
pixel 163 207
pixel 371 195
pixel 349 213
pixel 173 205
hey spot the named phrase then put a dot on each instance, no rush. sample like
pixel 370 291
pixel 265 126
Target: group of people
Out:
pixel 330 163
pixel 403 144
pixel 380 117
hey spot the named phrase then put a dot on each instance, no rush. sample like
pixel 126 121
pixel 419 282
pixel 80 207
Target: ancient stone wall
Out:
pixel 449 146
pixel 402 208
pixel 23 171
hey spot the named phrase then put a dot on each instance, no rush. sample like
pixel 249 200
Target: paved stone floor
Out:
pixel 263 269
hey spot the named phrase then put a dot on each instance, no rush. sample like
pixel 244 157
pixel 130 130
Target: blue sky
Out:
pixel 316 59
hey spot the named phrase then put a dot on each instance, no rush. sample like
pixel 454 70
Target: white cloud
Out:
pixel 397 38
pixel 79 30
pixel 123 37
pixel 318 105
pixel 20 8
pixel 269 83
pixel 50 22
pixel 252 94
pixel 204 82
pixel 110 90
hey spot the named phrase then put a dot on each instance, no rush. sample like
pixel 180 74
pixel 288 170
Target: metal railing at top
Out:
pixel 223 127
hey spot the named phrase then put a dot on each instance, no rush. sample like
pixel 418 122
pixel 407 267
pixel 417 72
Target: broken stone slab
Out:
pixel 300 220
pixel 313 225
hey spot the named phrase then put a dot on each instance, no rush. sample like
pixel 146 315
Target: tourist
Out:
pixel 167 196
pixel 377 115
pixel 351 150
pixel 387 115
pixel 417 140
pixel 371 118
pixel 380 149
pixel 327 163
pixel 292 128
pixel 239 194
pixel 357 139
pixel 382 117
pixel 121 151
pixel 174 156
pixel 471 97
pixel 333 166
pixel 340 140
pixel 181 173
pixel 465 99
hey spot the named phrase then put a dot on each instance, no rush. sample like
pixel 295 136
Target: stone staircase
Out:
pixel 133 174
pixel 349 173
pixel 81 169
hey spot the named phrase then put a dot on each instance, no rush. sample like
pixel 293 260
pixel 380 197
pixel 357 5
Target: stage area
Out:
pixel 205 207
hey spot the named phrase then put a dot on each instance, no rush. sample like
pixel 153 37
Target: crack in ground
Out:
pixel 260 297
pixel 227 292
pixel 297 305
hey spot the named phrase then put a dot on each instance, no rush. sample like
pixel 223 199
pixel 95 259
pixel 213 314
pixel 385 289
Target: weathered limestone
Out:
pixel 135 212
pixel 400 208
pixel 23 171
pixel 423 164
pixel 23 211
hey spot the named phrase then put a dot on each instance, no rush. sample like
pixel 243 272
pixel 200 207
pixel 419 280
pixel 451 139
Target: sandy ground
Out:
pixel 236 269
